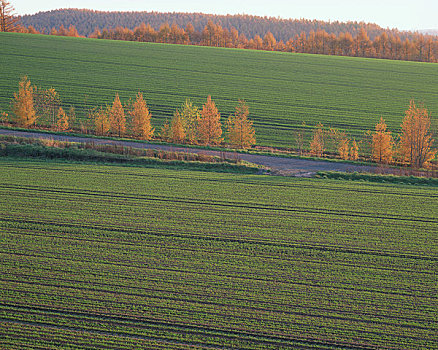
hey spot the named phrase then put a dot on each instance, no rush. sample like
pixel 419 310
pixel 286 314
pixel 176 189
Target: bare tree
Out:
pixel 8 19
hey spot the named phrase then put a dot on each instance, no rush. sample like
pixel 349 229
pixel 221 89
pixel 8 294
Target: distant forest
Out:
pixel 86 21
pixel 239 31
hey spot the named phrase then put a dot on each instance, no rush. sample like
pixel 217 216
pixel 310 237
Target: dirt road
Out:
pixel 289 166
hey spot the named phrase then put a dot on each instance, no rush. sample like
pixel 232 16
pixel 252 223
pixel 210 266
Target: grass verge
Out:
pixel 396 179
pixel 75 154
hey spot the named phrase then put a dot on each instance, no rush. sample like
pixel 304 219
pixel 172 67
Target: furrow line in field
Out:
pixel 258 206
pixel 106 332
pixel 165 233
pixel 124 208
pixel 69 343
pixel 255 339
pixel 317 185
pixel 230 253
pixel 197 329
pixel 228 322
pixel 197 298
pixel 228 326
pixel 232 275
pixel 240 277
pixel 19 331
pixel 117 202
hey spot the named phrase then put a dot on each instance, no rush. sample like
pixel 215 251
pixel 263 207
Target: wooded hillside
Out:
pixel 86 21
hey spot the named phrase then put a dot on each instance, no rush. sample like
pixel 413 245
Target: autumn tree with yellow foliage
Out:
pixel 416 141
pixel 209 125
pixel 117 117
pixel 141 119
pixel 177 128
pixel 318 141
pixel 342 143
pixel 183 125
pixel 354 151
pixel 344 149
pixel 101 120
pixel 382 144
pixel 23 104
pixel 190 114
pixel 269 42
pixel 165 133
pixel 241 133
pixel 62 122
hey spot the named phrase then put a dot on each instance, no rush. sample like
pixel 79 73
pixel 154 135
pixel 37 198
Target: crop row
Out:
pixel 264 265
pixel 311 274
pixel 258 223
pixel 227 295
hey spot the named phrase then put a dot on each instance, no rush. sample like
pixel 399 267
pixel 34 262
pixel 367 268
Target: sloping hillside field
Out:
pixel 120 258
pixel 282 89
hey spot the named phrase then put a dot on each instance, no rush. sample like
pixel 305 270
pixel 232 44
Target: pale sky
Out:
pixel 401 14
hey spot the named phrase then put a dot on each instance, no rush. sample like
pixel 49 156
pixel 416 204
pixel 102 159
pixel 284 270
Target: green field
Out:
pixel 282 89
pixel 119 258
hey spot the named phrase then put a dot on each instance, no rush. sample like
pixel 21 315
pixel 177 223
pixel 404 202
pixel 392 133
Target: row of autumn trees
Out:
pixel 414 146
pixel 189 124
pixel 421 48
pixel 193 125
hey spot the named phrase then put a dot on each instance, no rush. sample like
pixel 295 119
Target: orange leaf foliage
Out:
pixel 344 149
pixel 141 119
pixel 383 144
pixel 62 120
pixel 209 125
pixel 317 143
pixel 101 121
pixel 342 143
pixel 240 130
pixel 416 140
pixel 190 114
pixel 165 133
pixel 117 117
pixel 177 128
pixel 22 104
pixel 354 151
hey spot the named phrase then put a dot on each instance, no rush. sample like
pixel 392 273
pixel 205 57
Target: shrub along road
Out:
pixel 289 166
